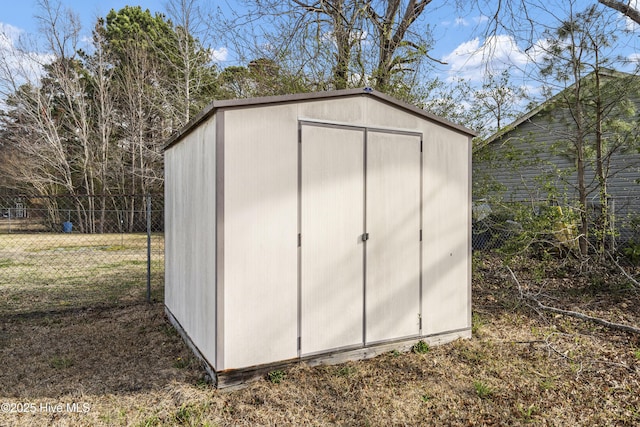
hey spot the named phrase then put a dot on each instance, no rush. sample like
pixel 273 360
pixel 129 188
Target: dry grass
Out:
pixel 521 367
pixel 47 271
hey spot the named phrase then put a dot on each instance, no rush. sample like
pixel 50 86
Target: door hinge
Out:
pixel 421 145
pixel 299 343
pixel 365 237
pixel 421 235
pixel 299 239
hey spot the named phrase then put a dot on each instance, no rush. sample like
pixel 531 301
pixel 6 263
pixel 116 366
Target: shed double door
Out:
pixel 359 228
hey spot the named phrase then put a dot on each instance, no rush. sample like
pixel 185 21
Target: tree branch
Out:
pixel 602 322
pixel 624 8
pixel 539 305
pixel 627 275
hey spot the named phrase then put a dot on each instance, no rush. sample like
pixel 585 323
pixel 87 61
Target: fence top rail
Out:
pixel 53 196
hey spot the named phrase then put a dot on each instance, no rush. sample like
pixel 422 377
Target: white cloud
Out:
pixel 539 50
pixel 470 59
pixel 8 33
pixel 464 22
pixel 630 24
pixel 631 63
pixel 220 55
pixel 18 64
pixel 634 58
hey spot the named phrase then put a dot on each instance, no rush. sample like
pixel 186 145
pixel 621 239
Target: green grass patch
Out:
pixel 482 390
pixel 347 371
pixel 61 362
pixel 114 248
pixel 8 263
pixel 421 347
pixel 277 376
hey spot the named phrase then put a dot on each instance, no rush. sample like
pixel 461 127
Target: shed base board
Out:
pixel 185 337
pixel 235 378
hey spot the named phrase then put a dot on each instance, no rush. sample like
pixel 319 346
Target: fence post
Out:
pixel 148 248
pixel 612 216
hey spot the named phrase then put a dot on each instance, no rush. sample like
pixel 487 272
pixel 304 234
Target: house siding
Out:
pixel 522 164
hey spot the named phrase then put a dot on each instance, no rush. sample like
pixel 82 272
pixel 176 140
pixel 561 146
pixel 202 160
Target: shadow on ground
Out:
pixel 97 350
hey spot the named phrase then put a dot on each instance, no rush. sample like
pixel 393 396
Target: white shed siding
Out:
pixel 260 235
pixel 190 224
pixel 379 114
pixel 446 220
pixel 393 224
pixel 332 223
pixel 267 293
pixel 343 110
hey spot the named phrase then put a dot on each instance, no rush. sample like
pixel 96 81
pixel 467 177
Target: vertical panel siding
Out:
pixel 393 225
pixel 190 237
pixel 260 235
pixel 385 116
pixel 332 223
pixel 346 110
pixel 446 224
pixel 446 218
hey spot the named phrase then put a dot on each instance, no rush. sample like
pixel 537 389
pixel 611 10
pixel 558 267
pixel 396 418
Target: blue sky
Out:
pixel 22 13
pixel 21 17
pixel 458 35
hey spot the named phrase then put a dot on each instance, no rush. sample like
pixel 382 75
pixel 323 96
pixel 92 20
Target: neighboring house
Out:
pixel 533 160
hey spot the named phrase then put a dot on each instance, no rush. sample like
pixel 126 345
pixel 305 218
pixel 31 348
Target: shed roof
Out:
pixel 210 109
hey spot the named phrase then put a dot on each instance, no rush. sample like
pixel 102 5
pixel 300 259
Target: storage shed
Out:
pixel 318 227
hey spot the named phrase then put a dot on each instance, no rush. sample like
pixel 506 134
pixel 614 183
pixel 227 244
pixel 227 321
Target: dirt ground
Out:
pixel 124 365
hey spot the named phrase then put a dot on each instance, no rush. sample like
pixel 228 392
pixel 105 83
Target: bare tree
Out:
pixel 103 118
pixel 139 107
pixel 66 84
pixel 392 21
pixel 48 122
pixel 339 43
pixel 191 66
pixel 344 23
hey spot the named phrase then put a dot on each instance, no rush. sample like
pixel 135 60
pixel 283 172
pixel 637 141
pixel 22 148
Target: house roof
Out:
pixel 528 115
pixel 210 110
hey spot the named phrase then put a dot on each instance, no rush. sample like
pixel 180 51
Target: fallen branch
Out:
pixel 611 325
pixel 627 275
pixel 538 304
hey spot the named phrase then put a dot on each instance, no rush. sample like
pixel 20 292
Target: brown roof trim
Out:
pixel 423 113
pixel 210 109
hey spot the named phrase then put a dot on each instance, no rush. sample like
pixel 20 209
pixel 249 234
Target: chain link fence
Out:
pixel 496 223
pixel 76 251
